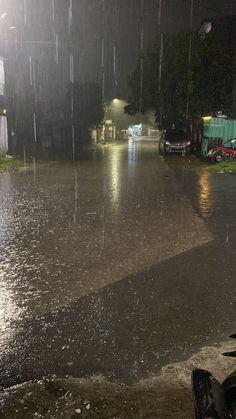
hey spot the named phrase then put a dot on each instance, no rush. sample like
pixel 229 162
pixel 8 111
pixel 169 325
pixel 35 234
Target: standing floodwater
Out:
pixel 112 229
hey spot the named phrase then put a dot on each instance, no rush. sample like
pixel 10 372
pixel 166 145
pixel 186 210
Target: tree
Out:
pixel 83 109
pixel 207 83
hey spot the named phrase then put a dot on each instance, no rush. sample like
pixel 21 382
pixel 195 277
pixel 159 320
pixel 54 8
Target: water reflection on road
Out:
pixel 212 194
pixel 115 176
pixel 128 231
pixel 10 310
pixel 205 199
pixel 67 230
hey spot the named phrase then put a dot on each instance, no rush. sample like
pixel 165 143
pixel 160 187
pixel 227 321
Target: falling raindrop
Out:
pixel 161 38
pixel 34 76
pixel 31 71
pixel 160 76
pixel 141 59
pixel 189 57
pixel 227 233
pixel 57 49
pixel 73 142
pixel 159 15
pixel 72 104
pixel 103 73
pixel 70 16
pixel 53 11
pixel 24 157
pixel 35 128
pixel 71 68
pixel 115 49
pixel 115 64
pixel 25 13
pixel 76 197
pixel 103 226
pixel 34 169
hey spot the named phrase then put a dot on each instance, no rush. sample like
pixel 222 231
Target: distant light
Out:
pixel 3 15
pixel 205 28
pixel 4 111
pixel 12 27
pixel 206 118
pixel 116 101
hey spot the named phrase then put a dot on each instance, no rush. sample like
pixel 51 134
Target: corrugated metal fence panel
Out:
pixel 229 130
pixel 216 128
pixel 204 146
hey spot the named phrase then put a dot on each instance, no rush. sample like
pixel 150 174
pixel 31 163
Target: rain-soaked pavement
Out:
pixel 116 265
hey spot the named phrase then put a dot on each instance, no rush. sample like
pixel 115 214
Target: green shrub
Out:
pixel 2 156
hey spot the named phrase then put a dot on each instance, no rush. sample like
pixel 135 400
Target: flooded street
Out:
pixel 115 265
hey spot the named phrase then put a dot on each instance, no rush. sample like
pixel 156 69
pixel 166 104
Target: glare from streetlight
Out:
pixel 3 15
pixel 12 27
pixel 115 101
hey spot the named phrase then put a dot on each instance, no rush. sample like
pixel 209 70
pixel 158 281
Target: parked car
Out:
pixel 174 141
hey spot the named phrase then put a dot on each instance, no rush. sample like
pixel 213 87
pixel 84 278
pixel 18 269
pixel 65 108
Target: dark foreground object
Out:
pixel 212 399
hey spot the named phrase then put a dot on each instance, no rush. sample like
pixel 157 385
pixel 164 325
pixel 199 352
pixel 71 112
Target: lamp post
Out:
pixel 115 102
pixel 114 109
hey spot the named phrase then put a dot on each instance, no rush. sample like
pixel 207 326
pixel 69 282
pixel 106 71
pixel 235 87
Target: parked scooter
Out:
pixel 213 400
pixel 222 152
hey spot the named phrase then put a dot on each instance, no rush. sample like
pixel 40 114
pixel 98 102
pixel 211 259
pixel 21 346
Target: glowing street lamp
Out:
pixel 115 103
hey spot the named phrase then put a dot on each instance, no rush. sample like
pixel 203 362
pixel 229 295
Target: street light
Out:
pixel 116 102
pixel 114 105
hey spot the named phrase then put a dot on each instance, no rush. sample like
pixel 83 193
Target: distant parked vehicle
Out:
pixel 174 141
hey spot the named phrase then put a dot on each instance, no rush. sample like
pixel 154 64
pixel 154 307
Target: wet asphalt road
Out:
pixel 116 265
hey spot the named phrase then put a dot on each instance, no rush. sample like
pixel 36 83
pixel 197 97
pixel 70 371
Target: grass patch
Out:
pixel 223 167
pixel 8 162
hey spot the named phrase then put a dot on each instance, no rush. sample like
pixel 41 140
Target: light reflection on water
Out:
pixel 115 175
pixel 204 197
pixel 9 310
pixel 132 152
pixel 68 230
pixel 121 167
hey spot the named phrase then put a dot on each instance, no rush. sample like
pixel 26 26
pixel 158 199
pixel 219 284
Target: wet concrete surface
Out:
pixel 116 265
pixel 167 396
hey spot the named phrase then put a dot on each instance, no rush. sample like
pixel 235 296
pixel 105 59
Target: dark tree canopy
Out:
pixel 83 108
pixel 206 84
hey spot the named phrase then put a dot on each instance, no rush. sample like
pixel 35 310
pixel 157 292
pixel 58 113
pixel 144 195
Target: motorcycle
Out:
pixel 213 400
pixel 222 152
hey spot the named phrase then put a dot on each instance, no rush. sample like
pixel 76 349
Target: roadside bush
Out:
pixel 2 156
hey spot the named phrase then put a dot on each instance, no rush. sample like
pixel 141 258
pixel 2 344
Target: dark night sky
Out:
pixel 119 25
